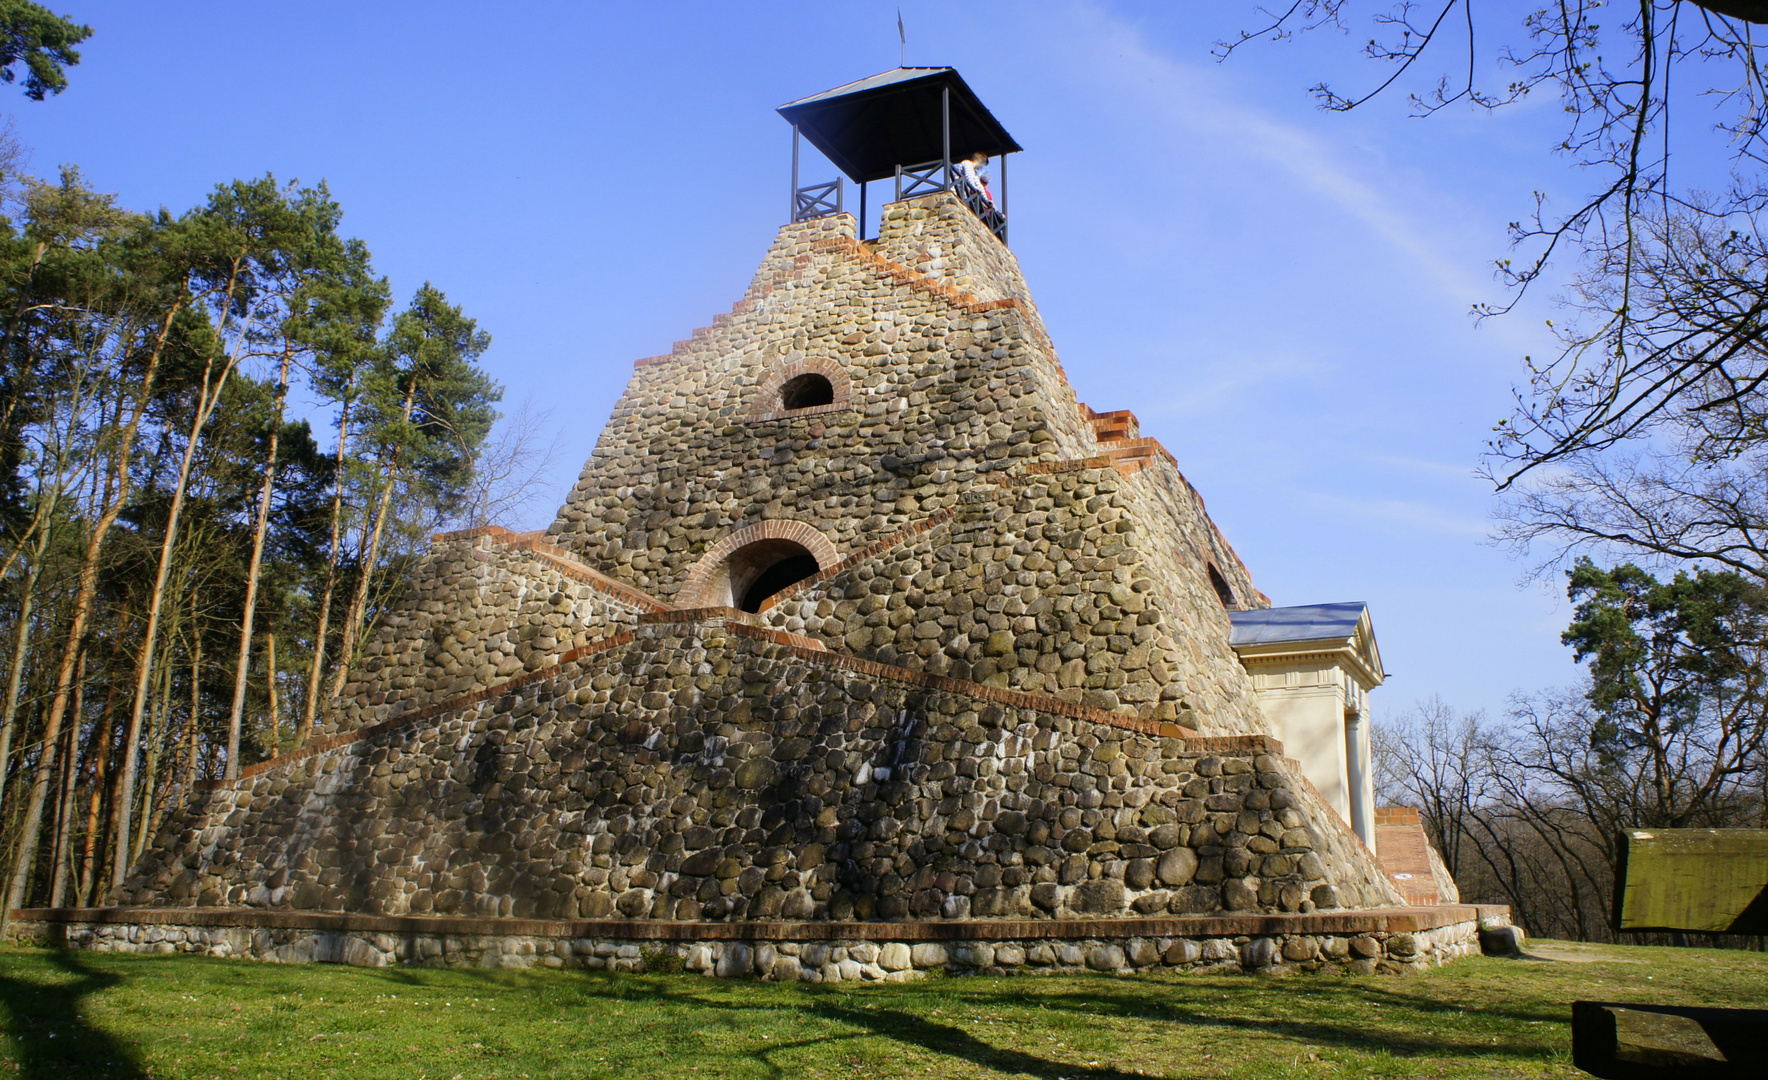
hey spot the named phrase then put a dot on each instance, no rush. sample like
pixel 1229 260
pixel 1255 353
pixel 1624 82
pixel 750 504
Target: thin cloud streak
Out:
pixel 1226 382
pixel 1193 106
pixel 1413 515
pixel 1441 469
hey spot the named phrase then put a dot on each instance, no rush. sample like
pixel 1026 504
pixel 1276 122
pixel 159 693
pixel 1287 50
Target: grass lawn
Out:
pixel 72 1015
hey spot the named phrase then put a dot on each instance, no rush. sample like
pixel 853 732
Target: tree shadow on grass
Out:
pixel 46 1022
pixel 1313 1013
pixel 836 1005
pixel 1320 1012
pixel 861 1020
pixel 955 1042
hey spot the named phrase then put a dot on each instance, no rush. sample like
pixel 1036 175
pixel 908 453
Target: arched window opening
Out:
pixel 1223 590
pixel 807 391
pixel 759 570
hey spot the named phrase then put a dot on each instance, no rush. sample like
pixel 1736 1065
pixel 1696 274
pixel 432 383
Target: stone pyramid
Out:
pixel 857 627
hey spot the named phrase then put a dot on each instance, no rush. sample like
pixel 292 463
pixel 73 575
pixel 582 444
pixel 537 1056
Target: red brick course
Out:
pixel 560 559
pixel 418 716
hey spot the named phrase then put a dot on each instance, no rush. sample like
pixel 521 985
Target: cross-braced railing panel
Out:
pixel 817 200
pixel 982 207
pixel 923 179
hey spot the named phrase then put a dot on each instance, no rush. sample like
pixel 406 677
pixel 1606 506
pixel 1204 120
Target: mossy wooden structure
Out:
pixel 1708 881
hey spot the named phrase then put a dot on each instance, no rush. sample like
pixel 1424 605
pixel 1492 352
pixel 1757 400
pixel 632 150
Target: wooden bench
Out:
pixel 1711 881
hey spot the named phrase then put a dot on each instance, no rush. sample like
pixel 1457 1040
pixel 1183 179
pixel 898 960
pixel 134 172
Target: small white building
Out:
pixel 1313 668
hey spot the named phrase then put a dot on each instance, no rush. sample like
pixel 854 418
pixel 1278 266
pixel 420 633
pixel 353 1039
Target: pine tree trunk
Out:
pixel 156 733
pixel 114 818
pixel 316 669
pixel 372 550
pixel 196 698
pixel 236 717
pixel 205 406
pixel 61 851
pixel 270 694
pixel 15 671
pixel 165 741
pixel 94 801
pixel 30 830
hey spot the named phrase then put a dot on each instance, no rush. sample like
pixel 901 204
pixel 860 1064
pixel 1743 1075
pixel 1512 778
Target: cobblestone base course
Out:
pixel 873 953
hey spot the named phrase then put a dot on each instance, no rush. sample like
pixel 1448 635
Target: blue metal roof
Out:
pixel 1311 622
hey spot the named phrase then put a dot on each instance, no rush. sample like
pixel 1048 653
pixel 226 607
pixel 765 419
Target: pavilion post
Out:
pixel 792 211
pixel 862 209
pixel 1004 158
pixel 945 132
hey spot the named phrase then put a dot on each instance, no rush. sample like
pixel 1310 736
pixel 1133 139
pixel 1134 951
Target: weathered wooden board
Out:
pixel 1697 880
pixel 1665 1042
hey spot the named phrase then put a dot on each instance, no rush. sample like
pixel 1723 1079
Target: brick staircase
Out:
pixel 1404 853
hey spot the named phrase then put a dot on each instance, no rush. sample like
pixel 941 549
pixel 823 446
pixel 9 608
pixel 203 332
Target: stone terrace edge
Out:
pixel 1368 920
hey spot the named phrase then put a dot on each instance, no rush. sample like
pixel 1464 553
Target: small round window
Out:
pixel 806 391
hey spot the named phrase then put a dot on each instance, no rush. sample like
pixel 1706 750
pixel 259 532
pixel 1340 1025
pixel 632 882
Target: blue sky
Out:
pixel 1280 294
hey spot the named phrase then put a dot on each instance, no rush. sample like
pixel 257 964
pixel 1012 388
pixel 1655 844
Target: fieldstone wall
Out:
pixel 855 959
pixel 941 238
pixel 941 392
pixel 1172 509
pixel 478 611
pixel 1062 582
pixel 704 770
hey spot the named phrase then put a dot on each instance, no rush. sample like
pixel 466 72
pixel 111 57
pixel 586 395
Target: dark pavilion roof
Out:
pixel 868 128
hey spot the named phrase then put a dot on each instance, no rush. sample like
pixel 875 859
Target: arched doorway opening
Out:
pixel 763 568
pixel 756 562
pixel 756 571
